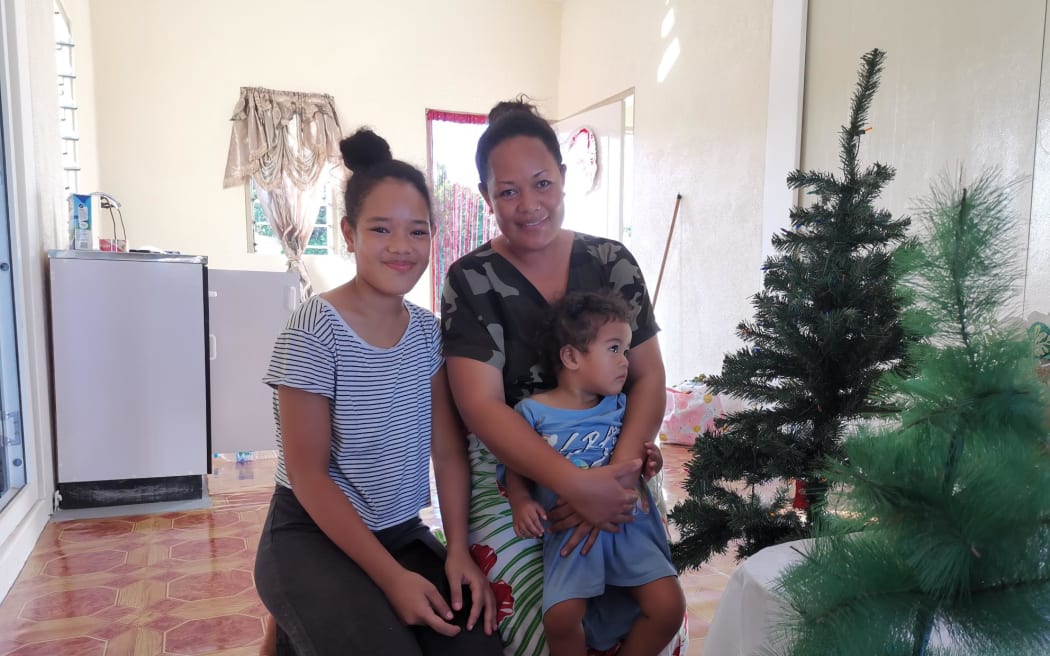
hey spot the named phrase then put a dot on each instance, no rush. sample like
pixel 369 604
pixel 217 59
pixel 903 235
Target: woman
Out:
pixel 493 302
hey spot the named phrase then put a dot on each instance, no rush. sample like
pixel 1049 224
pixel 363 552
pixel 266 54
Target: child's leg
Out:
pixel 662 606
pixel 563 626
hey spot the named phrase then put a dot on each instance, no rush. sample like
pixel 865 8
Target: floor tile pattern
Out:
pixel 180 583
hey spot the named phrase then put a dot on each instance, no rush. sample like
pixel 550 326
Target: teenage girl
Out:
pixel 345 565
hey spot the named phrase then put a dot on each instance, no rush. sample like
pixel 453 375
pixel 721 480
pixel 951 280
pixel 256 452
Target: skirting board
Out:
pixel 158 508
pixel 93 494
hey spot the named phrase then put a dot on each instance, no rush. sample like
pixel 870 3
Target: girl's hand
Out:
pixel 461 570
pixel 418 603
pixel 528 518
pixel 654 461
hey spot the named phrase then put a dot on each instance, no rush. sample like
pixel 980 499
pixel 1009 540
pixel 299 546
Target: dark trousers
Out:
pixel 325 604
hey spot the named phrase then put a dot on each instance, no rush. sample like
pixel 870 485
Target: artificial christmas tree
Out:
pixel 945 544
pixel 826 328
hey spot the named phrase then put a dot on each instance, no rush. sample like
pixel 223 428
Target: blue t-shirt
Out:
pixel 586 437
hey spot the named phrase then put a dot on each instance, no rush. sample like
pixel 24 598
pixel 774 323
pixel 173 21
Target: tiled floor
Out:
pixel 181 582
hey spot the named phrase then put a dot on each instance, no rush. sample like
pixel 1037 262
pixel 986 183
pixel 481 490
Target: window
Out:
pixel 323 240
pixel 67 103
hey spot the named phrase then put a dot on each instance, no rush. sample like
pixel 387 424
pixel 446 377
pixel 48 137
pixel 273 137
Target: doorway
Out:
pixel 598 150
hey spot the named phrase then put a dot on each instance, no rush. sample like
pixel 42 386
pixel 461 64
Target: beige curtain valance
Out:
pixel 282 135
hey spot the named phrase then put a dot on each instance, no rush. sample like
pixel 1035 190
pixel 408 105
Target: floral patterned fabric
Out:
pixel 490 312
pixel 690 410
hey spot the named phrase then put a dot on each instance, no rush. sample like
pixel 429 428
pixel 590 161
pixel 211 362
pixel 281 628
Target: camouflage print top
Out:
pixel 491 313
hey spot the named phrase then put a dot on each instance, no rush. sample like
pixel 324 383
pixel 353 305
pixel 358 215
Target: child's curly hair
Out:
pixel 574 320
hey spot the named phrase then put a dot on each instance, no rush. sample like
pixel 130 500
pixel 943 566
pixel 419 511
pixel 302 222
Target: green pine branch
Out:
pixel 946 531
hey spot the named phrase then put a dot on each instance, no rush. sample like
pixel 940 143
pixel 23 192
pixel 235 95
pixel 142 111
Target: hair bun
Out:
pixel 364 149
pixel 520 105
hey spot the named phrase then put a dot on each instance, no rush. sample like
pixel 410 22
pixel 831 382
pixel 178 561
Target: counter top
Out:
pixel 134 257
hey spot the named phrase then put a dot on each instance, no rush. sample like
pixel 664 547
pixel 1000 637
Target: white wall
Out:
pixel 34 188
pixel 167 78
pixel 960 88
pixel 699 132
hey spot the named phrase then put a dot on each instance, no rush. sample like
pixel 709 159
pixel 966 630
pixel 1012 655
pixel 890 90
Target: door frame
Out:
pixel 31 153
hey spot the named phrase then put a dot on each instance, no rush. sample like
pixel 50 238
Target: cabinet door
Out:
pixel 129 369
pixel 247 309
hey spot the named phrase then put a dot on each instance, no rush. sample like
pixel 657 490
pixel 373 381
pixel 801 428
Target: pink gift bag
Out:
pixel 690 410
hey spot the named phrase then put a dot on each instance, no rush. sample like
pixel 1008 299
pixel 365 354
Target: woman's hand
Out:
pixel 563 517
pixel 584 532
pixel 418 603
pixel 619 499
pixel 461 570
pixel 604 495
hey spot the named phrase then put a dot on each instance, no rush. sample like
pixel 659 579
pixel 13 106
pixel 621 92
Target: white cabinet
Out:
pixel 129 341
pixel 247 310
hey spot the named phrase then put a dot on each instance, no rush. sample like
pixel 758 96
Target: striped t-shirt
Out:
pixel 379 404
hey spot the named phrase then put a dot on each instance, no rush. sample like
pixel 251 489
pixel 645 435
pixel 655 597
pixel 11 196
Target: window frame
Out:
pixel 69 136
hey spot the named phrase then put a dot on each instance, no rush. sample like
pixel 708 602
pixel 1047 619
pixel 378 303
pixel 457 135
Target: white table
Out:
pixel 745 623
pixel 750 608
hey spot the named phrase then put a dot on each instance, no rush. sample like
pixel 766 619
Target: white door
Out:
pixel 593 148
pixel 12 450
pixel 247 310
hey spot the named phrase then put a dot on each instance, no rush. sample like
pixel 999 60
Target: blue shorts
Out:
pixel 637 555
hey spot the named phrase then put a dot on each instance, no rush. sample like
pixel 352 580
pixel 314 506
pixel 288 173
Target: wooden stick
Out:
pixel 667 248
